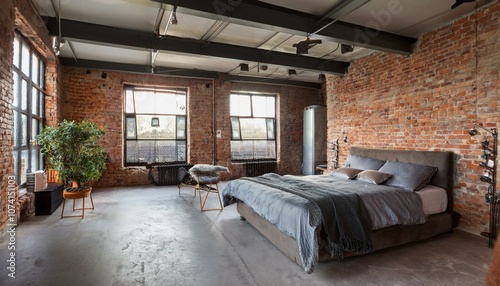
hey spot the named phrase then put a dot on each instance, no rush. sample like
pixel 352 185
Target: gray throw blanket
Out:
pixel 346 223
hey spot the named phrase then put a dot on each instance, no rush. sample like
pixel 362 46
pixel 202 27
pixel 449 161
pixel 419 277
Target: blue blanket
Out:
pixel 345 221
pixel 299 215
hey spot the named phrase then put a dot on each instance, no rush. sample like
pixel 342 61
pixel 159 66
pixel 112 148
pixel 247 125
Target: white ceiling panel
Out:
pixel 187 27
pixel 186 61
pixel 408 17
pixel 244 36
pixel 405 17
pixel 98 52
pixel 130 14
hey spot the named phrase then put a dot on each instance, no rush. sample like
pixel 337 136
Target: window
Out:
pixel 155 125
pixel 28 107
pixel 253 127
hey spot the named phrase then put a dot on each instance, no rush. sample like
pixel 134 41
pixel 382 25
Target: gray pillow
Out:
pixel 371 176
pixel 345 173
pixel 364 163
pixel 408 176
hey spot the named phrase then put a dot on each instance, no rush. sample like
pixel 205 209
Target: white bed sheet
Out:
pixel 434 199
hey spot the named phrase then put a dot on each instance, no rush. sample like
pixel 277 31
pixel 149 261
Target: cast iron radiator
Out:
pixel 257 168
pixel 165 173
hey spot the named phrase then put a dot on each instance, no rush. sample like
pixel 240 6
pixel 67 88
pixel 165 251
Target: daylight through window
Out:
pixel 253 127
pixel 155 125
pixel 28 107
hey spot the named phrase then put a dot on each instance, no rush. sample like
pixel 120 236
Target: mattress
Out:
pixel 434 199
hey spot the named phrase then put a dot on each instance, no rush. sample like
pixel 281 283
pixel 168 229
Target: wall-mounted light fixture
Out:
pixel 489 176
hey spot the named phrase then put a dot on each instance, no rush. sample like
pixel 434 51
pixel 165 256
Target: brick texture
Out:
pixel 428 101
pixel 19 15
pixel 6 121
pixel 98 96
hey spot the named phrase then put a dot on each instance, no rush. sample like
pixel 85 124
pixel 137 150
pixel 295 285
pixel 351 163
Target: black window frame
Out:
pixel 252 116
pixel 133 115
pixel 24 108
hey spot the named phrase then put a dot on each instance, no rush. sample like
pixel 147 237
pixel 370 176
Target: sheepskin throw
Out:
pixel 207 174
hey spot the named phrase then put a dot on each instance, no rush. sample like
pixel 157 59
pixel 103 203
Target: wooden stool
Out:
pixel 74 195
pixel 207 186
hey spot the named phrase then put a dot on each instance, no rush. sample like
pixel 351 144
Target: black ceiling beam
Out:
pixel 171 71
pixel 271 17
pixel 135 68
pixel 264 80
pixel 148 40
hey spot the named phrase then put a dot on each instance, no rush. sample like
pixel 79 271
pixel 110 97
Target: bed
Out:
pixel 396 197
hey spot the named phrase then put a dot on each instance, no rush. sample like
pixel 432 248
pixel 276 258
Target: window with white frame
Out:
pixel 28 107
pixel 155 125
pixel 253 126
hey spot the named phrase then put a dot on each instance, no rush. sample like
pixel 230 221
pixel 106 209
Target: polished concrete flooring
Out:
pixel 154 236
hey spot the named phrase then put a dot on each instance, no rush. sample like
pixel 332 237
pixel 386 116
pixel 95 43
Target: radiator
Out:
pixel 257 168
pixel 165 173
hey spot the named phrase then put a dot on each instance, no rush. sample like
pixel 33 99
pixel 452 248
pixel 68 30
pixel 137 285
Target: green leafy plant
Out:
pixel 73 150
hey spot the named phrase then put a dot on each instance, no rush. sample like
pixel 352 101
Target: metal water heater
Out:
pixel 314 146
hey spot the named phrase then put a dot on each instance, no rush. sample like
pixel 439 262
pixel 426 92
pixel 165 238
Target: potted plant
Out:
pixel 73 150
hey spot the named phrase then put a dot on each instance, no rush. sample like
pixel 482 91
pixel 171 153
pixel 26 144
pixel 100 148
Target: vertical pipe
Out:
pixel 214 126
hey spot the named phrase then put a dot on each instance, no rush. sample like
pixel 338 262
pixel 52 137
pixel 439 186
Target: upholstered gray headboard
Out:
pixel 443 160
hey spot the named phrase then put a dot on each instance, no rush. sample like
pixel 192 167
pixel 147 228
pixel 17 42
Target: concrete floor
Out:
pixel 153 236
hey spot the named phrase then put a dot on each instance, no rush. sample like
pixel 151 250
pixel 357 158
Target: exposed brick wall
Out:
pixel 428 101
pixel 18 15
pixel 6 121
pixel 290 102
pixel 91 95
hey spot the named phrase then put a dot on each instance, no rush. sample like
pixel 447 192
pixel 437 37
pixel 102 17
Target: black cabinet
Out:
pixel 49 199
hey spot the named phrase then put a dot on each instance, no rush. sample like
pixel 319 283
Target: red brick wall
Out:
pixel 428 101
pixel 21 16
pixel 89 95
pixel 6 121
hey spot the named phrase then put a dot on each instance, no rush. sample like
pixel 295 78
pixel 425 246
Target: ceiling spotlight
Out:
pixel 173 16
pixel 322 77
pixel 346 48
pixel 244 67
pixel 304 46
pixel 173 20
pixel 292 72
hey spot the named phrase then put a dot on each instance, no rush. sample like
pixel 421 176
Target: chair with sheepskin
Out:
pixel 207 176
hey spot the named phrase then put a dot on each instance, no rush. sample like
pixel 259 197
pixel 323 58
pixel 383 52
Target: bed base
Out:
pixel 382 238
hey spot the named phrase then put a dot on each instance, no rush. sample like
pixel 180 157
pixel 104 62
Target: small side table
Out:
pixel 48 199
pixel 74 195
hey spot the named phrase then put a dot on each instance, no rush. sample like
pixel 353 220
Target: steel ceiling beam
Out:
pixel 147 40
pixel 170 71
pixel 271 17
